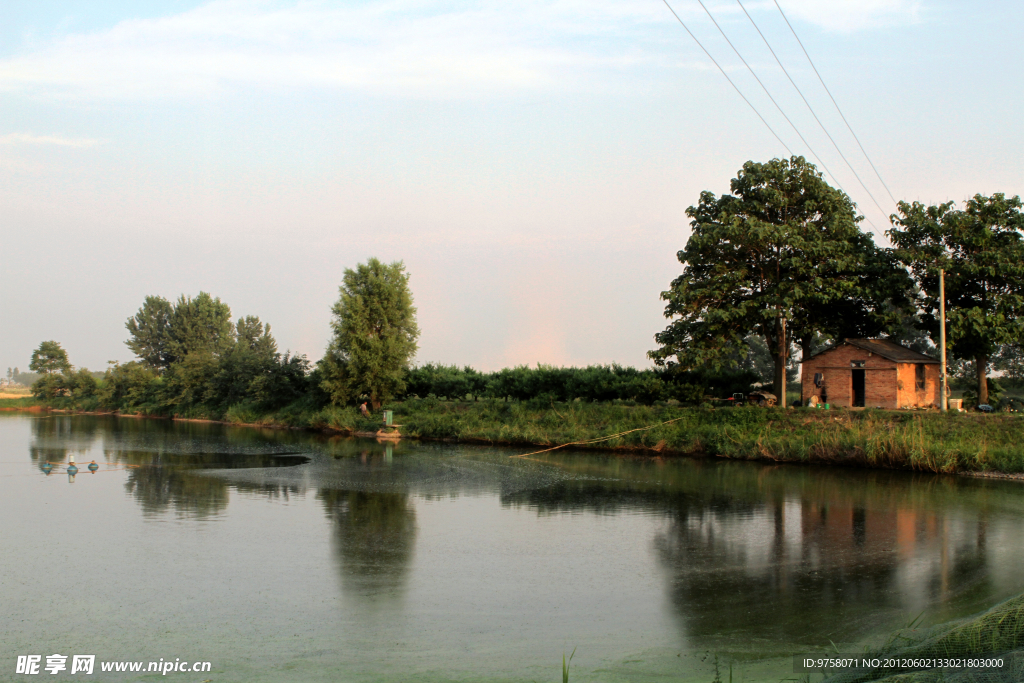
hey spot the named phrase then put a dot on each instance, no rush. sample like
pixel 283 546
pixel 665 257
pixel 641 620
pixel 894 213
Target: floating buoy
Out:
pixel 72 470
pixel 46 467
pixel 93 466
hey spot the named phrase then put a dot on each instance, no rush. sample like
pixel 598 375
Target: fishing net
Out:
pixel 995 634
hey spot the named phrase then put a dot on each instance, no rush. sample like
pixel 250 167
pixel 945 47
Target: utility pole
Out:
pixel 944 391
pixel 783 347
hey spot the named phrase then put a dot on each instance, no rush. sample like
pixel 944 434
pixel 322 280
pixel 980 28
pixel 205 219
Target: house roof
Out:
pixel 886 349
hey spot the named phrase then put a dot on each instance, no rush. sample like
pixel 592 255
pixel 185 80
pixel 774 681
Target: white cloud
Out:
pixel 29 139
pixel 852 15
pixel 404 45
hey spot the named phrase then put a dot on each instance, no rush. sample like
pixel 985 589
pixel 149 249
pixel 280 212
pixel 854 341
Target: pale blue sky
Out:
pixel 530 162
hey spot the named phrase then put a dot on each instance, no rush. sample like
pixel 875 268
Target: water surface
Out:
pixel 282 555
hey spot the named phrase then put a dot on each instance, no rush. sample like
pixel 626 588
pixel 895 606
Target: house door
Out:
pixel 858 388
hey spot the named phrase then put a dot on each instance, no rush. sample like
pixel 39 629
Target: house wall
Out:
pixel 909 396
pixel 880 378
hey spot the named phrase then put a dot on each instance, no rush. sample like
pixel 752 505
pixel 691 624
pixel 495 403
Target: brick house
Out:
pixel 875 373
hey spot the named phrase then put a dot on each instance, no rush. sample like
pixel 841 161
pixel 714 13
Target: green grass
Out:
pixel 875 438
pixel 19 403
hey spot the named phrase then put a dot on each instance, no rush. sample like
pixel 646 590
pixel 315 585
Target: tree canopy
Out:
pixel 193 355
pixel 981 248
pixel 49 358
pixel 783 245
pixel 375 334
pixel 162 333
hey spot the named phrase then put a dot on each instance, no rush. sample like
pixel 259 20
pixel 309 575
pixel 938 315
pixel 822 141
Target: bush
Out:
pixel 129 387
pixel 596 383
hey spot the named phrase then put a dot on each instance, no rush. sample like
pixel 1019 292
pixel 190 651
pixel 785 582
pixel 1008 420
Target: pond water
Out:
pixel 281 556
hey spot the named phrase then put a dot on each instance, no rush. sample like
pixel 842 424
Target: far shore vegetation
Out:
pixel 777 270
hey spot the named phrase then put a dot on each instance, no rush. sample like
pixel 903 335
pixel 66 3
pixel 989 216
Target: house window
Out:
pixel 819 379
pixel 919 375
pixel 856 363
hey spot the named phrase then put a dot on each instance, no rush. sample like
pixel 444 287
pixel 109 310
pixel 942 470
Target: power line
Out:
pixel 749 103
pixel 809 107
pixel 738 91
pixel 791 124
pixel 788 120
pixel 848 126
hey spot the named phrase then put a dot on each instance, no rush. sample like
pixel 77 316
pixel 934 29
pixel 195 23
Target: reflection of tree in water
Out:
pixel 791 554
pixel 158 489
pixel 273 490
pixel 374 536
pixel 55 438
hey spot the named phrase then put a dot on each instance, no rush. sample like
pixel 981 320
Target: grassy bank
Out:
pixel 892 439
pixel 926 441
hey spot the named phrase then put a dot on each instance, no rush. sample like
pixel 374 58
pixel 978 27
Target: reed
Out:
pixel 565 666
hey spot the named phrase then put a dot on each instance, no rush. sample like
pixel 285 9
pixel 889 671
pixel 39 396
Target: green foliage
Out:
pixel 196 362
pixel 162 334
pixel 49 386
pixel 130 387
pixel 252 370
pixel 1009 360
pixel 81 384
pixel 593 383
pixel 981 248
pixel 760 361
pixel 375 334
pixel 73 385
pixel 49 358
pixel 784 244
pixel 150 332
pixel 59 379
pixel 242 413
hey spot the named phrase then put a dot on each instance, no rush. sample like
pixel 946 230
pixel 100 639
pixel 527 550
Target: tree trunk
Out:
pixel 982 363
pixel 780 361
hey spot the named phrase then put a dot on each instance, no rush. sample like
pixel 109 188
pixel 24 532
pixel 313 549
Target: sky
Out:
pixel 530 162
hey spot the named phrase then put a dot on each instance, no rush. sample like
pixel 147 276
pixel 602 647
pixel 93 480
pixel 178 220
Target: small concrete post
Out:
pixel 943 391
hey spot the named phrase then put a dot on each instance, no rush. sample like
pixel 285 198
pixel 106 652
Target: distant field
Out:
pixel 15 392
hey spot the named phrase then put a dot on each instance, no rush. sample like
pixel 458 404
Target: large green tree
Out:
pixel 49 358
pixel 981 248
pixel 375 334
pixel 150 332
pixel 163 334
pixel 785 245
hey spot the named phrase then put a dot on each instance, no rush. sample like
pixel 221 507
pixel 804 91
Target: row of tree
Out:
pixel 592 383
pixel 783 256
pixel 192 359
pixel 780 258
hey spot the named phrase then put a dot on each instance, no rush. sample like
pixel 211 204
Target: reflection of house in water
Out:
pixel 813 571
pixel 800 555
